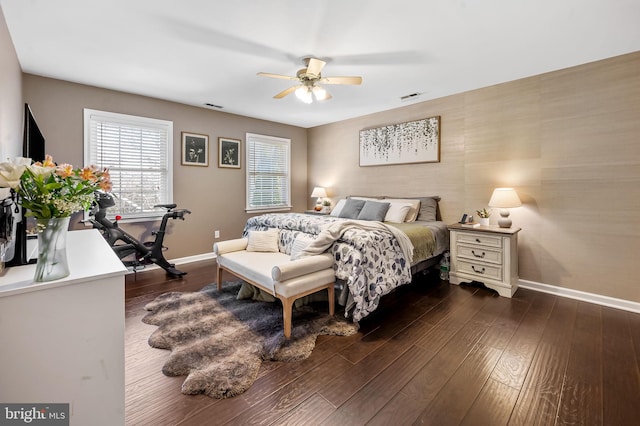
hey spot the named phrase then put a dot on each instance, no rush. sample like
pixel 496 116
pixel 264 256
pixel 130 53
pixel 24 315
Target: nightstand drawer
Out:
pixel 480 270
pixel 480 253
pixel 478 238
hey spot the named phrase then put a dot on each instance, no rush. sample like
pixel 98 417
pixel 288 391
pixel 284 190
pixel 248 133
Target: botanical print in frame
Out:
pixel 411 142
pixel 229 153
pixel 195 149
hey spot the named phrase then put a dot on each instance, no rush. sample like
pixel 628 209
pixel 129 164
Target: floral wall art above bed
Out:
pixel 411 142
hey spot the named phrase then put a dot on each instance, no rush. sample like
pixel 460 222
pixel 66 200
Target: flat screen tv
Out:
pixel 33 146
pixel 33 141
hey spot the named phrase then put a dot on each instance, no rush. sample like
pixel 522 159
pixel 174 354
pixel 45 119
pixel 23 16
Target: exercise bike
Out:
pixel 144 253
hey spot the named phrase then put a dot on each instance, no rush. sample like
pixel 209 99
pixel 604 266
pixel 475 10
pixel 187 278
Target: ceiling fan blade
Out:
pixel 315 66
pixel 284 77
pixel 286 92
pixel 341 80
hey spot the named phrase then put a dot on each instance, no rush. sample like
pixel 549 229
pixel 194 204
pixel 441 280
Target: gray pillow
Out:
pixel 373 210
pixel 351 208
pixel 428 208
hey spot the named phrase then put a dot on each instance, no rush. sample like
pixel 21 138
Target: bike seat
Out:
pixel 166 206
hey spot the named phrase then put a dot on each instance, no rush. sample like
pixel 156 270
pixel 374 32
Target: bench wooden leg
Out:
pixel 332 299
pixel 287 312
pixel 219 278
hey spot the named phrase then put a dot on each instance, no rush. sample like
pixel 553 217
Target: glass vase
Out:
pixel 52 249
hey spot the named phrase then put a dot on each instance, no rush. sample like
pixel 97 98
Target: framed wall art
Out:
pixel 229 153
pixel 195 149
pixel 410 142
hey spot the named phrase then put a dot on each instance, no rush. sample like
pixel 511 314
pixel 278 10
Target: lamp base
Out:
pixel 504 221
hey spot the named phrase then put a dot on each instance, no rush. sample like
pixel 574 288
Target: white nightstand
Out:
pixel 487 254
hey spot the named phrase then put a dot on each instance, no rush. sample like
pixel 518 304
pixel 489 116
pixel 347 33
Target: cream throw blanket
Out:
pixel 333 231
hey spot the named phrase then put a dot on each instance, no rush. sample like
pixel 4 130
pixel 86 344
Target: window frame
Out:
pixel 92 115
pixel 250 139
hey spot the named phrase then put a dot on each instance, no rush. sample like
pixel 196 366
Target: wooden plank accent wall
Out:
pixel 568 141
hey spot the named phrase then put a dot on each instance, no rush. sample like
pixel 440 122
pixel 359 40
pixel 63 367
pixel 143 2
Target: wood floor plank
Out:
pixel 513 365
pixel 456 397
pixel 423 388
pixel 281 402
pixel 581 401
pixel 634 328
pixel 364 404
pixel 540 394
pixel 621 378
pixel 344 387
pixel 436 336
pixel 387 330
pixel 493 405
pixel 311 412
pixel 270 383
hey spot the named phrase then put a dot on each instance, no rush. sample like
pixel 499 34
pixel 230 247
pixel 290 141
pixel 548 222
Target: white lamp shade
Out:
pixel 504 198
pixel 319 192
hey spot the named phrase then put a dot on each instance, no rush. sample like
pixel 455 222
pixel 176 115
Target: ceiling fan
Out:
pixel 310 79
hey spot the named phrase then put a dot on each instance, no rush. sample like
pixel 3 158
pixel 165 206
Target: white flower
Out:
pixel 11 171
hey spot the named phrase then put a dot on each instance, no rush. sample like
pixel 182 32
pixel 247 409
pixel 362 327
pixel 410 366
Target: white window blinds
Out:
pixel 138 153
pixel 268 173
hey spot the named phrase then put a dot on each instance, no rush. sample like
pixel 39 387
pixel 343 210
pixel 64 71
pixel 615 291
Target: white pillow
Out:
pixel 338 208
pixel 413 210
pixel 264 240
pixel 300 243
pixel 397 212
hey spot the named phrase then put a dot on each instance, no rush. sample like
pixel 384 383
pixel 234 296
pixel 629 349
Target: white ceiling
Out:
pixel 206 51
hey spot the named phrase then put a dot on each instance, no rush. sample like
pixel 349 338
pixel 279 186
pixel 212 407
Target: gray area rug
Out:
pixel 219 342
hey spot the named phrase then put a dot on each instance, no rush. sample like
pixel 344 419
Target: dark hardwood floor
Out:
pixel 433 353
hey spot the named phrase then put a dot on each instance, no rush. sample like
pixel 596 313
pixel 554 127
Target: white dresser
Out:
pixel 486 254
pixel 63 340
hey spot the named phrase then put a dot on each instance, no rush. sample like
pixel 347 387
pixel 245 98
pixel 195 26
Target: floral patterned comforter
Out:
pixel 370 262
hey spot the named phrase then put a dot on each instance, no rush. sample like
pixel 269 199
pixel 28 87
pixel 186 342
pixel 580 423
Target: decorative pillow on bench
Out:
pixel 264 240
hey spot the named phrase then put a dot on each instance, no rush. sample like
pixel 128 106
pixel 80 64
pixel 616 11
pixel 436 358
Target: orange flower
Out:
pixel 48 162
pixel 64 170
pixel 87 174
pixel 105 185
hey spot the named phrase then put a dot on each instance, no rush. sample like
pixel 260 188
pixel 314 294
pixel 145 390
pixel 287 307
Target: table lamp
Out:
pixel 320 193
pixel 504 198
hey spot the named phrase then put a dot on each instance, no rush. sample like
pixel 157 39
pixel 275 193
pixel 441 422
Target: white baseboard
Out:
pixel 612 302
pixel 194 258
pixel 180 261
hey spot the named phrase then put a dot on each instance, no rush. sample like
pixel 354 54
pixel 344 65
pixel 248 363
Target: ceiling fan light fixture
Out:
pixel 304 94
pixel 319 93
pixel 308 89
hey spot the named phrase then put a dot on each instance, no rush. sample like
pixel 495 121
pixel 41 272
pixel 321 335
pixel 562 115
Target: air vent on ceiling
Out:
pixel 214 106
pixel 409 97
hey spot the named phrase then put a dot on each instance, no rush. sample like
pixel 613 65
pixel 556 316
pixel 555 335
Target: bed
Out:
pixel 371 256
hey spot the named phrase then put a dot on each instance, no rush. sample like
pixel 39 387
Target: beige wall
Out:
pixel 568 141
pixel 11 108
pixel 215 196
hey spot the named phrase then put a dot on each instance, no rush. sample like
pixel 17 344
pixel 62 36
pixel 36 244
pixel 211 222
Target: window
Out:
pixel 268 173
pixel 138 153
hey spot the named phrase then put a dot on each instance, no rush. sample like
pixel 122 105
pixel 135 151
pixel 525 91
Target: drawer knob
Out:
pixel 478 255
pixel 477 271
pixel 478 240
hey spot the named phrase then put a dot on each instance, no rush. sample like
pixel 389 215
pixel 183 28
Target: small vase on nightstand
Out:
pixel 484 221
